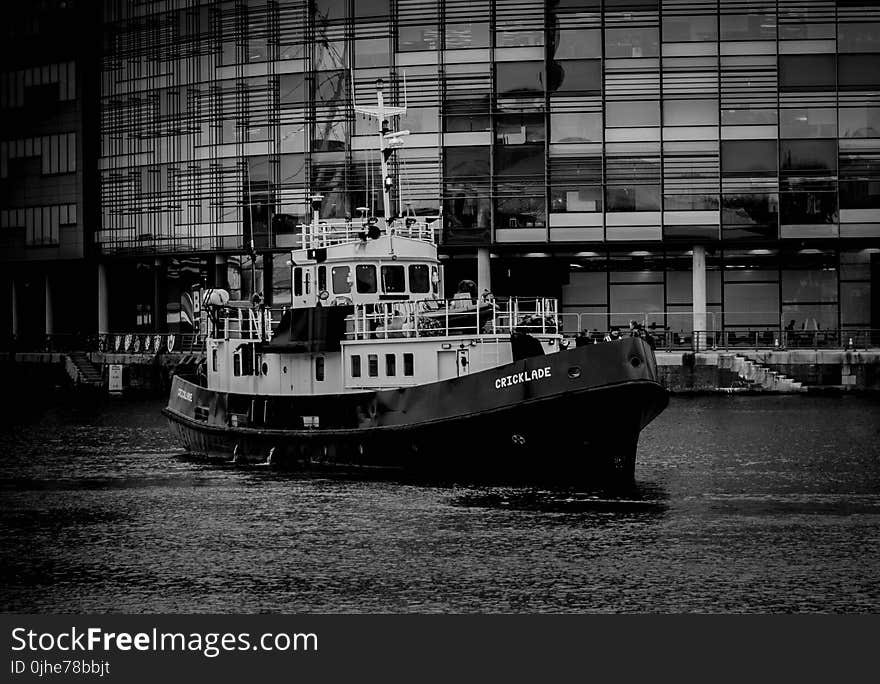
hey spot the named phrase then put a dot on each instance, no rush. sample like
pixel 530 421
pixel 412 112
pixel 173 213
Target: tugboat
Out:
pixel 371 368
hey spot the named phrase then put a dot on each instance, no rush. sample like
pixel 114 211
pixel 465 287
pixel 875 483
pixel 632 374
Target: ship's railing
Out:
pixel 336 232
pixel 238 323
pixel 445 318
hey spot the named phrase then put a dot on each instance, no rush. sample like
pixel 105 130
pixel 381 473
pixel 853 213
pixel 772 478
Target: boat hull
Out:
pixel 568 416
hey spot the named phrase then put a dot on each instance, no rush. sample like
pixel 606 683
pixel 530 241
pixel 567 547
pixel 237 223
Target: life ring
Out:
pixel 157 343
pixel 323 295
pixel 102 343
pixel 136 347
pixel 170 342
pixel 147 340
pixel 118 342
pixel 128 340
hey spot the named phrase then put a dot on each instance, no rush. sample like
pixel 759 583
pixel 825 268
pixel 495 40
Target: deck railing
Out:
pixel 335 232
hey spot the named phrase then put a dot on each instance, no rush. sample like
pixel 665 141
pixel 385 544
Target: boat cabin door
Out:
pixel 304 286
pixel 463 361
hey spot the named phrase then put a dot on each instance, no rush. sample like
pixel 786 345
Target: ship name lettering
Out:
pixel 524 376
pixel 183 394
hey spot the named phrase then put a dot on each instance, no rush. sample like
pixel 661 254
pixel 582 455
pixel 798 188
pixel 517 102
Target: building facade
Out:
pixel 626 156
pixel 48 106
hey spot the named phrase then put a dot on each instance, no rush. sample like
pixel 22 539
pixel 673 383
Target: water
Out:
pixel 743 504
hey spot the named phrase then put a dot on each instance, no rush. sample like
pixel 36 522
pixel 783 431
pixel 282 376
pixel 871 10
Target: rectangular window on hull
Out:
pixel 319 368
pixel 297 282
pixel 408 365
pixel 390 365
pixel 356 366
pixel 373 365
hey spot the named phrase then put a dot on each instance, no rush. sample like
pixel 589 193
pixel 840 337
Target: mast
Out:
pixel 388 141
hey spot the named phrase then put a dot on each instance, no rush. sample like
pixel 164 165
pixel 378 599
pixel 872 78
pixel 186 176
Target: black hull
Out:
pixel 580 421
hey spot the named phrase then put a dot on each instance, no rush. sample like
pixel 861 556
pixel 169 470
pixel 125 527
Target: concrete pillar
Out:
pixel 484 271
pixel 14 309
pixel 699 297
pixel 103 301
pixel 50 318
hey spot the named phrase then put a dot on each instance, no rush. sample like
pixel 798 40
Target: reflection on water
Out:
pixel 742 504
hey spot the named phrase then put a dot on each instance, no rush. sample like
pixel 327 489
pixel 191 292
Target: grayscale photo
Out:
pixel 438 307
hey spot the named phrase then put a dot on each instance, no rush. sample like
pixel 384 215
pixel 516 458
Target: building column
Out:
pixel 484 271
pixel 103 301
pixel 14 309
pixel 699 297
pixel 50 319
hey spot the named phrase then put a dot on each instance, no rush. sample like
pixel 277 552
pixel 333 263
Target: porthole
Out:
pixel 574 372
pixel 265 368
pixel 635 361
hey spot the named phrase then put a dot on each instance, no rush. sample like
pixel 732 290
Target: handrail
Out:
pixel 335 232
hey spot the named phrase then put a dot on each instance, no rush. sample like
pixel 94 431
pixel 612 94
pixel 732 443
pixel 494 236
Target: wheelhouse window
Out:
pixel 297 282
pixel 435 280
pixel 408 365
pixel 366 279
pixel 418 278
pixel 322 278
pixel 393 279
pixel 390 365
pixel 319 368
pixel 341 276
pixel 373 365
pixel 356 366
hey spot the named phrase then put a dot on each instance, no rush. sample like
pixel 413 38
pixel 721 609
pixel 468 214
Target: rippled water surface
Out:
pixel 743 504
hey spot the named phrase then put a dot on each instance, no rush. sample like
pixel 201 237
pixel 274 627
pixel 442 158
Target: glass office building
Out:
pixel 593 150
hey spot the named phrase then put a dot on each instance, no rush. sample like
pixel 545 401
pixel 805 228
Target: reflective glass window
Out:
pixel 632 42
pixel 632 198
pixel 519 77
pixel 678 29
pixel 519 129
pixel 806 72
pixel 575 76
pixel 808 155
pixel 808 207
pixel 859 72
pixel 418 278
pixel 808 122
pixel 690 112
pixel 575 198
pixel 341 276
pixel 470 35
pixel 748 27
pixel 633 113
pixel 577 44
pixel 575 127
pixel 366 278
pixel 393 279
pixel 859 122
pixel 748 157
pixel 863 36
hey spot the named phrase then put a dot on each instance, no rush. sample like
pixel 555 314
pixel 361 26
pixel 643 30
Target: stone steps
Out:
pixel 761 377
pixel 81 370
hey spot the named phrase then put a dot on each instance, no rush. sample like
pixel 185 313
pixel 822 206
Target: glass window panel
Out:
pixel 807 72
pixel 293 169
pixel 630 301
pixel 356 366
pixel 632 42
pixel 689 29
pixel 508 38
pixel 341 276
pixel 632 198
pixel 748 117
pixel 690 112
pixel 408 365
pixel 330 55
pixel 633 113
pixel 694 202
pixel 519 129
pixel 470 35
pixel 813 285
pixel 855 304
pixel 858 72
pixel 418 278
pixel 420 119
pixel 575 127
pixel 366 278
pixel 811 316
pixel 393 279
pixel 466 167
pixel 863 36
pixel 748 27
pixel 520 212
pixel 372 8
pixel 461 211
pixel 861 194
pixel 808 155
pixel 417 38
pixel 330 10
pixel 519 161
pixel 372 52
pixel 565 198
pixel 751 304
pixel 292 89
pixel 748 157
pixel 373 364
pixel 808 122
pixel 859 122
pixel 577 44
pixel 575 76
pixel 756 209
pixel 519 77
pixel 808 207
pixel 390 365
